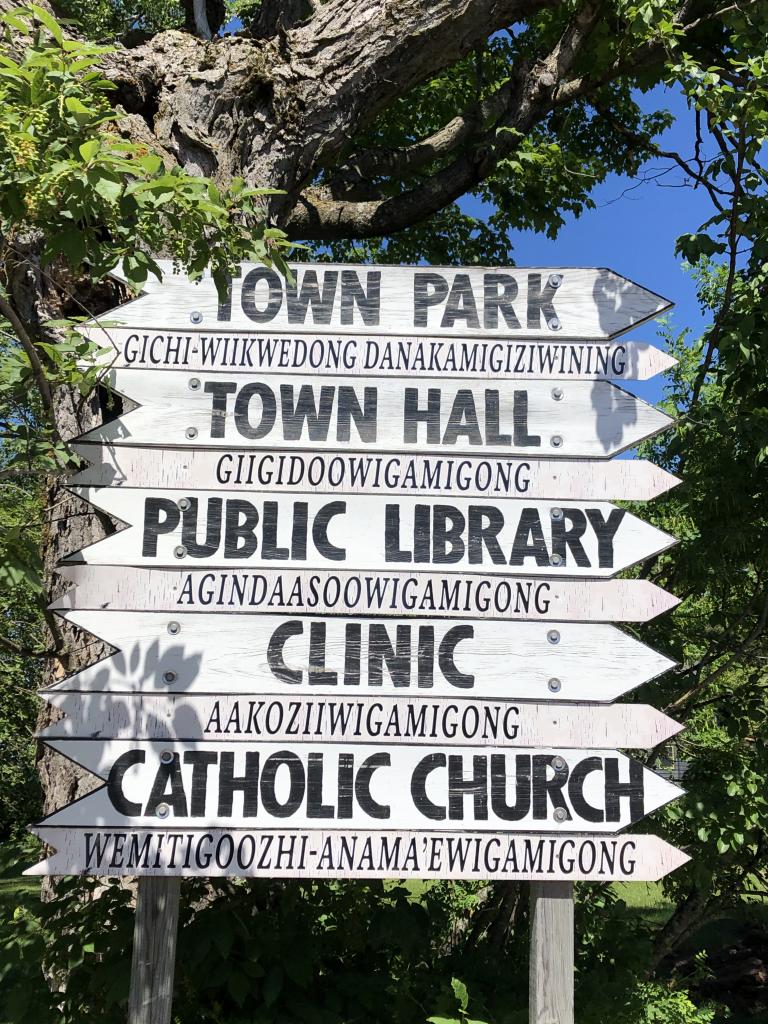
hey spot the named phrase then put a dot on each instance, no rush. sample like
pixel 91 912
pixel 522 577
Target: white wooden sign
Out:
pixel 288 853
pixel 472 476
pixel 369 532
pixel 277 591
pixel 218 784
pixel 594 419
pixel 339 718
pixel 527 302
pixel 307 655
pixel 377 356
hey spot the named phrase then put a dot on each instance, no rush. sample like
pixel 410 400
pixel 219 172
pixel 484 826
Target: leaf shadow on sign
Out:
pixel 614 414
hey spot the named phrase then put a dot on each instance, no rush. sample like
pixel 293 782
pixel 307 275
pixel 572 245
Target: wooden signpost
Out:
pixel 361 657
pixel 577 419
pixel 361 601
pixel 368 532
pixel 468 476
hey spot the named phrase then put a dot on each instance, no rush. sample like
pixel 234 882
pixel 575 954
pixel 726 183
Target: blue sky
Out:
pixel 633 230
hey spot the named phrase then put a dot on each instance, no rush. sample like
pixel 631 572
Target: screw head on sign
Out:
pixel 163 810
pixel 169 677
pixel 554 324
pixel 194 383
pixel 554 685
pixel 166 757
pixel 556 441
pixel 558 763
pixel 556 560
pixel 557 394
pixel 560 814
pixel 180 551
pixel 553 636
pixel 191 432
pixel 174 628
pixel 555 280
pixel 196 316
pixel 556 514
pixel 183 504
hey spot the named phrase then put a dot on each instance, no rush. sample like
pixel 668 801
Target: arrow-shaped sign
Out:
pixel 594 419
pixel 435 657
pixel 368 532
pixel 419 718
pixel 472 476
pixel 289 853
pixel 218 784
pixel 569 302
pixel 258 352
pixel 277 591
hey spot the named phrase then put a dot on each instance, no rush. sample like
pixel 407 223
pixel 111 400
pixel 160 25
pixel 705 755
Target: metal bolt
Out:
pixel 560 814
pixel 553 636
pixel 558 763
pixel 556 441
pixel 183 504
pixel 180 551
pixel 554 685
pixel 555 280
pixel 555 513
pixel 194 383
pixel 557 394
pixel 174 628
pixel 166 757
pixel 191 432
pixel 556 560
pixel 554 324
pixel 169 677
pixel 163 810
pixel 196 316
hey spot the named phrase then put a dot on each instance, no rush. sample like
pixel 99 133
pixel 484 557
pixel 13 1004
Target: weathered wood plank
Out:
pixel 153 962
pixel 275 591
pixel 257 654
pixel 420 718
pixel 255 351
pixel 472 476
pixel 594 419
pixel 551 960
pixel 218 784
pixel 515 302
pixel 369 532
pixel 292 853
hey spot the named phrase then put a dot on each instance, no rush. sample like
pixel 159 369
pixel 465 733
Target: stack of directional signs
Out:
pixel 362 600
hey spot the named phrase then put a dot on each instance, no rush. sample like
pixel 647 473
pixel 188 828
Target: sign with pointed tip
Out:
pixel 473 476
pixel 257 351
pixel 594 419
pixel 277 591
pixel 366 532
pixel 417 719
pixel 290 853
pixel 311 655
pixel 219 784
pixel 527 302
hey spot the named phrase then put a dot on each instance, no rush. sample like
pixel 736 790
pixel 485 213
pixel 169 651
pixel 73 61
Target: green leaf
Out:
pixel 89 149
pixel 460 991
pixel 50 23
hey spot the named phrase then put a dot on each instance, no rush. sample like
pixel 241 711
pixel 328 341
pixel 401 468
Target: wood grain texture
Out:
pixel 594 419
pixel 551 961
pixel 217 784
pixel 521 302
pixel 292 853
pixel 360 472
pixel 420 718
pixel 368 532
pixel 255 351
pixel 499 660
pixel 153 962
pixel 275 591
